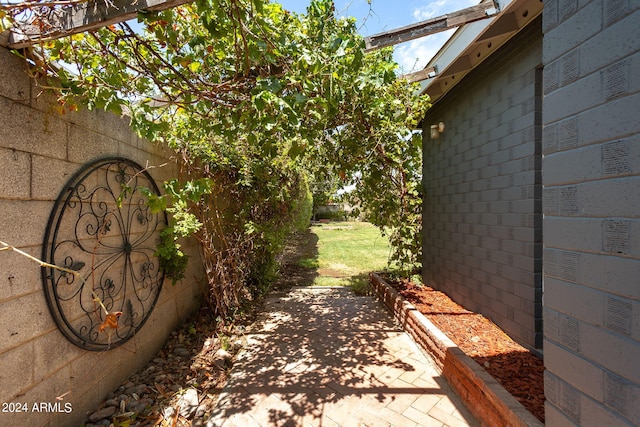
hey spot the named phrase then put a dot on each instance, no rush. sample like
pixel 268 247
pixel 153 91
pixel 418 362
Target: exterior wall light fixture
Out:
pixel 436 130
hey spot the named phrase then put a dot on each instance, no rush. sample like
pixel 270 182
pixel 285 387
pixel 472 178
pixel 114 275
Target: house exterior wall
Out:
pixel 40 149
pixel 591 175
pixel 482 219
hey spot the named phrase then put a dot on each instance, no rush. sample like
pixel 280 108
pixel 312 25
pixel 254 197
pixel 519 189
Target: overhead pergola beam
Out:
pixel 432 26
pixel 418 76
pixel 85 16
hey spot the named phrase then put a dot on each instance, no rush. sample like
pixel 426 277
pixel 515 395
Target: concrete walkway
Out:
pixel 325 357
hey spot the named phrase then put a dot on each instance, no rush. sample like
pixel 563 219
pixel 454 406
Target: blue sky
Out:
pixel 385 15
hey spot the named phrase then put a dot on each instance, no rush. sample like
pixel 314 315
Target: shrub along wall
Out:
pixel 40 149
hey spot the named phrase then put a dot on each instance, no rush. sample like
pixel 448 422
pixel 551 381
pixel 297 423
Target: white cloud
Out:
pixel 440 7
pixel 414 55
pixel 431 10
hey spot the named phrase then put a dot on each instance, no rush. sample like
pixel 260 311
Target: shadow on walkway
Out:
pixel 325 357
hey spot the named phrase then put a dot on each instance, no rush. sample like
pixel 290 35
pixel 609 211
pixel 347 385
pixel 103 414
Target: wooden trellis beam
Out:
pixel 85 16
pixel 432 26
pixel 420 75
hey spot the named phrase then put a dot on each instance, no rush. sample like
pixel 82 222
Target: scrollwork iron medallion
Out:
pixel 102 227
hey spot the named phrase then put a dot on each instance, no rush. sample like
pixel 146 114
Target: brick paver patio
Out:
pixel 325 357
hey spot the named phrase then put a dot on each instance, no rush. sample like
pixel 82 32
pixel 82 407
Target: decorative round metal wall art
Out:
pixel 102 227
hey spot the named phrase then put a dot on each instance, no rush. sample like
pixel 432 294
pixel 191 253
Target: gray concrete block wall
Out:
pixel 40 149
pixel 482 210
pixel 591 203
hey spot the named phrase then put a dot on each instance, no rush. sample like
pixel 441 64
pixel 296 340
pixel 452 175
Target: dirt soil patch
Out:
pixel 518 370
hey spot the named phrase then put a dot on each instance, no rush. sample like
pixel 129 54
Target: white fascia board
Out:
pixel 460 41
pixel 456 44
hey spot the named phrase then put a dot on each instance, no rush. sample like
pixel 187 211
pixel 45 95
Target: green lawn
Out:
pixel 347 252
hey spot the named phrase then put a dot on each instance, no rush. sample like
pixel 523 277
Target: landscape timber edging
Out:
pixel 481 393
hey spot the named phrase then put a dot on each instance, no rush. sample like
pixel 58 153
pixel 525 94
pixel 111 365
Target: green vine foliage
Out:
pixel 177 200
pixel 259 102
pixel 173 261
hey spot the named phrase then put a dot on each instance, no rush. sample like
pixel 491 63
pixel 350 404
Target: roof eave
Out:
pixel 471 44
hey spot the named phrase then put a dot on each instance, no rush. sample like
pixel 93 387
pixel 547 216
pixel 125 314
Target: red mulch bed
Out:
pixel 518 370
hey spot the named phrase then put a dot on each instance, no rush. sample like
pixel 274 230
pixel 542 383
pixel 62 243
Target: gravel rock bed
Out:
pixel 180 386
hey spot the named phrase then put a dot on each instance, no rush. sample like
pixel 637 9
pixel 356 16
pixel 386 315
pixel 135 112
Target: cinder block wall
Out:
pixel 591 174
pixel 482 206
pixel 40 150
